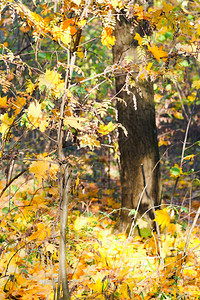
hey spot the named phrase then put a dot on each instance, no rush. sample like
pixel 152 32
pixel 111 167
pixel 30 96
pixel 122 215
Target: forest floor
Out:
pixel 100 263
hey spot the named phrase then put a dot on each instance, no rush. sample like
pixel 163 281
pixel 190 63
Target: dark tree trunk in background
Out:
pixel 140 147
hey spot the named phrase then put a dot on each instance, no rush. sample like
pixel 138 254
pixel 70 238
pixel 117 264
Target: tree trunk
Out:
pixel 139 154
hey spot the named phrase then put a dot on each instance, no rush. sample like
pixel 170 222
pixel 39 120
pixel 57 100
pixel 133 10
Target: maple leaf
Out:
pixel 163 218
pixel 52 81
pixel 106 37
pixel 36 117
pixel 39 169
pixel 34 112
pixel 157 52
pixel 42 168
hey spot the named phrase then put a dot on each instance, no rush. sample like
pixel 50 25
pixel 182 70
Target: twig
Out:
pixel 11 181
pixel 184 143
pixel 190 232
pixel 157 226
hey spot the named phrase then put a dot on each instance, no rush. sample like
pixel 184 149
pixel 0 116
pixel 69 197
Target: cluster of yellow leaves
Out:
pixel 61 32
pixel 51 80
pixel 43 168
pixel 36 117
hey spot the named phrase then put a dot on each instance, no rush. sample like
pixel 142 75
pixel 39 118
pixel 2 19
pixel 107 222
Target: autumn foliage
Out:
pixel 58 129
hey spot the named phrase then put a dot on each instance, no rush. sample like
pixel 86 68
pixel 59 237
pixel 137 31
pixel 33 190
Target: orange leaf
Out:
pixel 157 52
pixel 3 102
pixel 107 38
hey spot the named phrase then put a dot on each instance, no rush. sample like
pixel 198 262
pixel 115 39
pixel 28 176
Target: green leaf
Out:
pixel 5 210
pixel 132 212
pixel 175 171
pixel 184 209
pixel 185 63
pixel 145 232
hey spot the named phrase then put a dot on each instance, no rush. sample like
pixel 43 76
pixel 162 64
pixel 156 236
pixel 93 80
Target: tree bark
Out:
pixel 139 154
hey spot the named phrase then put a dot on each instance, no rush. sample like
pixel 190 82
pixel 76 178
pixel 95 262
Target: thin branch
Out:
pixel 185 141
pixel 190 232
pixel 11 181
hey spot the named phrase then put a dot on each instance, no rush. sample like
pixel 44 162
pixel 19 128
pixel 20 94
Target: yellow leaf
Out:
pixel 81 23
pixel 39 169
pixel 74 122
pixel 52 81
pixel 162 142
pixel 178 115
pixel 97 286
pixel 18 104
pixel 41 233
pixel 174 228
pixel 34 112
pixel 3 102
pixel 89 140
pixel 30 86
pixel 157 52
pixel 42 168
pixel 123 290
pixel 66 37
pixel 138 38
pixel 36 117
pixel 167 245
pixel 106 37
pixel 50 248
pixel 196 84
pixel 43 124
pixel 80 53
pixel 105 129
pixel 5 123
pixel 162 218
pixel 167 7
pixel 77 183
pixel 191 156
